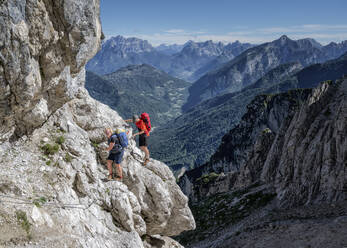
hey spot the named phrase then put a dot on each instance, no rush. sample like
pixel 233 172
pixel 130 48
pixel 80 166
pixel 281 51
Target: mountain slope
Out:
pixel 210 120
pixel 255 62
pixel 289 181
pixel 140 88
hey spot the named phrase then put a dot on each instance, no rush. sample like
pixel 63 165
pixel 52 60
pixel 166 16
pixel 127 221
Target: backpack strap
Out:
pixel 119 141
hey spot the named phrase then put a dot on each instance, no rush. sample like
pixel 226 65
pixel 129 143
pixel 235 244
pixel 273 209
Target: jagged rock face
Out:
pixel 289 188
pixel 307 161
pixel 147 202
pixel 299 152
pixel 52 172
pixel 44 47
pixel 265 114
pixel 255 62
pixel 247 142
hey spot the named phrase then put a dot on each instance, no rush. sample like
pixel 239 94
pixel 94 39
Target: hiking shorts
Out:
pixel 143 140
pixel 116 157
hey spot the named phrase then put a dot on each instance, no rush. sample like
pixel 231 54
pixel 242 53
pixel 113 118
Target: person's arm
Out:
pixel 128 120
pixel 139 133
pixel 109 148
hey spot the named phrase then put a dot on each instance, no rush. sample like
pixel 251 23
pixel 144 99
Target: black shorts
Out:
pixel 143 140
pixel 116 157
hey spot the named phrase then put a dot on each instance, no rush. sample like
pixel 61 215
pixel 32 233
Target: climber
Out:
pixel 143 125
pixel 116 144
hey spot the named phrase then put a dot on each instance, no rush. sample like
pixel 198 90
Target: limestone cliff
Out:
pixel 275 185
pixel 44 46
pixel 52 192
pixel 256 131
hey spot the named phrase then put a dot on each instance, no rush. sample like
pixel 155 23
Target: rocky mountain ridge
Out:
pixel 52 150
pixel 256 62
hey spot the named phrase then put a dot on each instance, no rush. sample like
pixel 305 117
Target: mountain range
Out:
pixel 207 122
pixel 140 88
pixel 188 61
pixel 252 64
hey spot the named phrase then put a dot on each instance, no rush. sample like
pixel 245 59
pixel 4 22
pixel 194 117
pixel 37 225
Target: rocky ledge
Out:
pixel 53 191
pixel 52 188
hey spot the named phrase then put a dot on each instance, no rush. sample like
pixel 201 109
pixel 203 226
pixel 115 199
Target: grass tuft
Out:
pixel 24 222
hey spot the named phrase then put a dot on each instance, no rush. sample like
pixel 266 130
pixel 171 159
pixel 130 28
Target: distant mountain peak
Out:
pixel 284 37
pixel 126 45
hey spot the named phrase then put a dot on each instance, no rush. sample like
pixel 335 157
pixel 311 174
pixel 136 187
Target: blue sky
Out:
pixel 255 21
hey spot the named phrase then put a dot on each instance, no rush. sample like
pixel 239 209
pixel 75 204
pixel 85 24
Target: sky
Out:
pixel 254 21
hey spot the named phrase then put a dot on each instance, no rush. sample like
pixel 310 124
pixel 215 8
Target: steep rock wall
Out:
pixel 52 187
pixel 307 162
pixel 249 140
pixel 44 46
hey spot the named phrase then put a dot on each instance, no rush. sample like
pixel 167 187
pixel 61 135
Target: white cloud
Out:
pixel 323 34
pixel 174 31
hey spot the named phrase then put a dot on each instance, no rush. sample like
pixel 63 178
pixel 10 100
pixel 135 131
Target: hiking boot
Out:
pixel 110 177
pixel 118 178
pixel 146 162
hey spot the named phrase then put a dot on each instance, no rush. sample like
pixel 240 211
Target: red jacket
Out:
pixel 142 126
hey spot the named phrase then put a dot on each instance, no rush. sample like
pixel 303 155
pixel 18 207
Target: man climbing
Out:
pixel 116 144
pixel 143 125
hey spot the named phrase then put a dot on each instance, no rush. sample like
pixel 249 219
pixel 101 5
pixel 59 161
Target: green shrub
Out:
pixel 48 162
pixel 49 149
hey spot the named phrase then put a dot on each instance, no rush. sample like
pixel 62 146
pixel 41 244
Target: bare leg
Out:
pixel 146 151
pixel 119 170
pixel 109 167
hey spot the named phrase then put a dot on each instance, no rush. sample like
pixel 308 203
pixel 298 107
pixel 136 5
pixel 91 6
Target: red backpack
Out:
pixel 147 121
